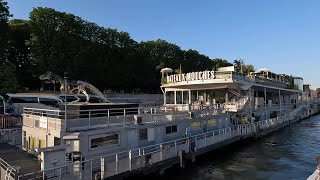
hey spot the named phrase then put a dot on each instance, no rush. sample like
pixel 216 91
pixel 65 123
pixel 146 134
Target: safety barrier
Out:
pixel 135 159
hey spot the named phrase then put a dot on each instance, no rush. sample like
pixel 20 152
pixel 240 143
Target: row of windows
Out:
pixel 112 139
pixel 45 101
pixel 182 97
pixel 171 129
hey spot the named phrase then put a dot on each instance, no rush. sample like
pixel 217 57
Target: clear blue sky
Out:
pixel 283 36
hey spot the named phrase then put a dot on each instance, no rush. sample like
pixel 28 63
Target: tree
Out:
pixel 238 65
pixel 8 79
pixel 247 69
pixel 4 29
pixel 7 69
pixel 109 59
pixel 217 63
pixel 18 53
pixel 241 67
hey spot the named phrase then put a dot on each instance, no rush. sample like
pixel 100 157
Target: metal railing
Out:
pixel 55 119
pixel 10 172
pixel 134 159
pixel 238 105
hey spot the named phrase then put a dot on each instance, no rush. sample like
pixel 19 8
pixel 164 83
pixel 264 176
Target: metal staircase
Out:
pixel 234 92
pixel 241 104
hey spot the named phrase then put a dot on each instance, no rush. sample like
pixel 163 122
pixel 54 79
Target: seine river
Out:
pixel 286 154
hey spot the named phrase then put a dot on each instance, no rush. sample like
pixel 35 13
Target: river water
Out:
pixel 286 154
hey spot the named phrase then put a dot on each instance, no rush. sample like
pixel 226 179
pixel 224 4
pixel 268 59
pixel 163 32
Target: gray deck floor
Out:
pixel 17 157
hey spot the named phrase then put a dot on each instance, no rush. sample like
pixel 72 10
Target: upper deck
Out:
pixel 204 78
pixel 75 120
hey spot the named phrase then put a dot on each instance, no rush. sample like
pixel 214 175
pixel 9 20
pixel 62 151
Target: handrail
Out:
pixel 8 169
pixel 215 136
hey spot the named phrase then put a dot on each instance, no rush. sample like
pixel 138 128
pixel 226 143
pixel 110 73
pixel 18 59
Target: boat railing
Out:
pixel 190 107
pixel 79 119
pixel 239 77
pixel 134 159
pixel 8 171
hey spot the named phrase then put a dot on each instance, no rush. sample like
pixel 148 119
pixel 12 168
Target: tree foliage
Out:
pixel 241 67
pixel 4 29
pixel 8 80
pixel 110 59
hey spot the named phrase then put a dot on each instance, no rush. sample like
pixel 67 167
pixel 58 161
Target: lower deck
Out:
pixel 20 160
pixel 164 155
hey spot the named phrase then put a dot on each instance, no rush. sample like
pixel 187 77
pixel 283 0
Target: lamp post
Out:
pixel 65 98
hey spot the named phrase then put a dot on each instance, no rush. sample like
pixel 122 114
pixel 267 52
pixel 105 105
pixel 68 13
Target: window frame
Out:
pixel 170 128
pixel 144 133
pixel 103 136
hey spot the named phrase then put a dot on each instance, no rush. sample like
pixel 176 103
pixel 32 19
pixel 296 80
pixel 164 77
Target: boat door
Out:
pixel 2 106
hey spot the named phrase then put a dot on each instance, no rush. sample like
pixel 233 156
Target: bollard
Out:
pixel 193 157
pixel 182 157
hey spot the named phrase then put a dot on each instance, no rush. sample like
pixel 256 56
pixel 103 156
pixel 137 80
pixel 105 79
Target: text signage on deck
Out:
pixel 193 76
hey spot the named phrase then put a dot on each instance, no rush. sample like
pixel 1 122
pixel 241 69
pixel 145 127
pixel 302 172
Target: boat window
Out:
pixel 171 129
pixel 105 140
pixel 179 97
pixel 143 134
pixel 49 102
pixel 57 141
pixel 24 99
pixel 194 96
pixel 170 97
pixel 1 106
pixel 185 97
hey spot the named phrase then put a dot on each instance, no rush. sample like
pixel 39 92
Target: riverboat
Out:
pixel 201 111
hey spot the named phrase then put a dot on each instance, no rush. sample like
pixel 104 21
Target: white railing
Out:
pixel 134 159
pixel 189 107
pixel 238 105
pixel 75 119
pixel 258 80
pixel 10 135
pixel 7 169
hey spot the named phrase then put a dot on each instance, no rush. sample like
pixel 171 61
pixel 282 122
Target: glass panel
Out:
pixel 174 129
pixel 179 97
pixel 49 102
pixel 170 97
pixel 105 141
pixel 193 96
pixel 1 106
pixel 185 97
pixel 143 134
pixel 24 100
pixel 168 129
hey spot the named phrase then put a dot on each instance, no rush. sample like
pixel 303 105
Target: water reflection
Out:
pixel 287 154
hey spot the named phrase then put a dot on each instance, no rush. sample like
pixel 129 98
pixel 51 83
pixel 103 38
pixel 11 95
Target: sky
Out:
pixel 283 36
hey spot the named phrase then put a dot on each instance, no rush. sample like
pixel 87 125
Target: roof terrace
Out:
pixel 75 120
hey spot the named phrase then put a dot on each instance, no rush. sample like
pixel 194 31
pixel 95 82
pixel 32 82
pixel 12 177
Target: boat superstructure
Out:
pixel 201 111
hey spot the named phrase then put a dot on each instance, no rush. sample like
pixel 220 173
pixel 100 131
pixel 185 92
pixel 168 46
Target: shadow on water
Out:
pixel 287 154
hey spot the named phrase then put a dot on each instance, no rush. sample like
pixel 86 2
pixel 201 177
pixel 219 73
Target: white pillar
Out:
pixel 280 100
pixel 227 96
pixel 250 101
pixel 265 102
pixel 164 98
